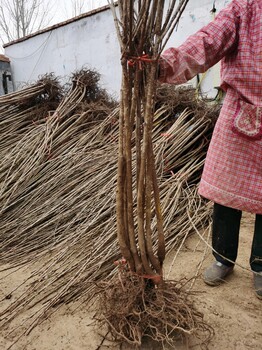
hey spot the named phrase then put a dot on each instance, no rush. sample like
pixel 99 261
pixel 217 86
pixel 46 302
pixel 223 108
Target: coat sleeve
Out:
pixel 203 49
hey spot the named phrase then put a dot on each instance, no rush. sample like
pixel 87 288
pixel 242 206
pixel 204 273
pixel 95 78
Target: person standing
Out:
pixel 232 175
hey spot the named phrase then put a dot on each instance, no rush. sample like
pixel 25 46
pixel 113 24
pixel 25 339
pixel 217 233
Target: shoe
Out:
pixel 258 284
pixel 216 273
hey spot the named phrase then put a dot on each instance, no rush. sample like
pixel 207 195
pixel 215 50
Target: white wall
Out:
pixel 89 42
pixel 92 42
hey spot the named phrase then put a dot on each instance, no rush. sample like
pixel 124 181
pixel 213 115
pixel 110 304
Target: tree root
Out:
pixel 133 308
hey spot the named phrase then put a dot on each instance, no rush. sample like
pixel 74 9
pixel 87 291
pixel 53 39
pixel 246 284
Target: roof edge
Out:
pixel 58 25
pixel 4 58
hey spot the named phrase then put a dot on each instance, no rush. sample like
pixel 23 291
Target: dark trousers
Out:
pixel 225 237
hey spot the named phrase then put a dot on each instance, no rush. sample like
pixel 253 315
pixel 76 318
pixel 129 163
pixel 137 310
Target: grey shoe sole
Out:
pixel 215 275
pixel 258 296
pixel 218 282
pixel 258 285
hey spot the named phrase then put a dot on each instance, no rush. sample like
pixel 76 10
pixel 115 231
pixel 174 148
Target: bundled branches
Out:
pixel 42 158
pixel 19 110
pixel 141 29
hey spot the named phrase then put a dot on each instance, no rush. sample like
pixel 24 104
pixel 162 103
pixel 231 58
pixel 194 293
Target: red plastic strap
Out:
pixel 139 60
pixel 156 278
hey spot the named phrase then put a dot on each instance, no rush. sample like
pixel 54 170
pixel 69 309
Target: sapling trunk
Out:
pixel 141 28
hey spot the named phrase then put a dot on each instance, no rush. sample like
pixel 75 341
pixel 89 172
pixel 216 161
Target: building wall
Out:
pixel 92 42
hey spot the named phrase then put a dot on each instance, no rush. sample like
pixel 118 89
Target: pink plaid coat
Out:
pixel 232 173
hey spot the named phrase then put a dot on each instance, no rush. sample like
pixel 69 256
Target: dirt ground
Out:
pixel 232 309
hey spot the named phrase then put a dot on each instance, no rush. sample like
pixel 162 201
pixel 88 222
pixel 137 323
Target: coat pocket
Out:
pixel 247 121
